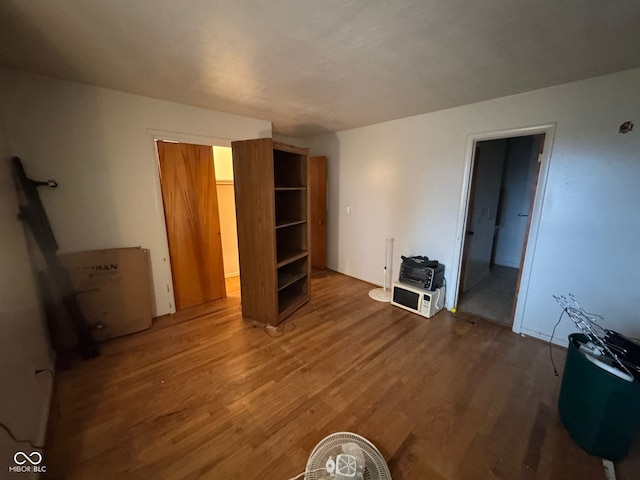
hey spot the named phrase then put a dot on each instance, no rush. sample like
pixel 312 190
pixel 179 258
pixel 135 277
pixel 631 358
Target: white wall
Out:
pixel 405 178
pixel 223 162
pixel 228 229
pixel 98 145
pixel 24 346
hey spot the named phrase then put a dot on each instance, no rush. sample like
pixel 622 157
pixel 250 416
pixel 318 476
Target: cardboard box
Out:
pixel 113 289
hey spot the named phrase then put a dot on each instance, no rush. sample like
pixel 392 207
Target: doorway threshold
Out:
pixel 493 297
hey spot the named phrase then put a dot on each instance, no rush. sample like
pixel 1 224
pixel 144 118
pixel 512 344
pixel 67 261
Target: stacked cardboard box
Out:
pixel 113 289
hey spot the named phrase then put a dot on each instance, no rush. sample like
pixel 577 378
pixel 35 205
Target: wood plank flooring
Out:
pixel 203 395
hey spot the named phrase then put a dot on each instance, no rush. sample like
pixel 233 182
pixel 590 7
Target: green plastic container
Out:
pixel 600 410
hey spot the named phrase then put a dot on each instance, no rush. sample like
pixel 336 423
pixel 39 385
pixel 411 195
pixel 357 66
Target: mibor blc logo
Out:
pixel 26 463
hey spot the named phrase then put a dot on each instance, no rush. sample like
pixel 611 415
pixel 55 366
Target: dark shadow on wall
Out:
pixel 72 149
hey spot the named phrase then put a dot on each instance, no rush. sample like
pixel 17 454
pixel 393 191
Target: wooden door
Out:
pixel 190 201
pixel 318 214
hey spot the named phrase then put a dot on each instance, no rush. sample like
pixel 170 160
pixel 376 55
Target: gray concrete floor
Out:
pixel 493 297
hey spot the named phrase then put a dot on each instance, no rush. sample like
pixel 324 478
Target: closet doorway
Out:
pixel 499 208
pixel 199 219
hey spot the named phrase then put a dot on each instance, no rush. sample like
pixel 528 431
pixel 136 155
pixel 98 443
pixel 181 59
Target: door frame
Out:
pixel 169 136
pixel 536 211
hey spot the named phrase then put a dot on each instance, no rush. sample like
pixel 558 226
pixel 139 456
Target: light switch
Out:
pixel 348 210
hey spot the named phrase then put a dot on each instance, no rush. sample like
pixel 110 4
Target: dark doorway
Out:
pixel 501 194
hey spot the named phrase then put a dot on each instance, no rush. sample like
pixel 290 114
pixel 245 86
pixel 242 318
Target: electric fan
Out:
pixel 384 294
pixel 346 456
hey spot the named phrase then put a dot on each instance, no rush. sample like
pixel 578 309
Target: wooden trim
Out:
pixel 192 138
pixel 292 258
pixel 290 148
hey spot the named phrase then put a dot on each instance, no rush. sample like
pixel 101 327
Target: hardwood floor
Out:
pixel 205 395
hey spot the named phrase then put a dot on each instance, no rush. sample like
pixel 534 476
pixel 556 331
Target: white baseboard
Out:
pixel 560 341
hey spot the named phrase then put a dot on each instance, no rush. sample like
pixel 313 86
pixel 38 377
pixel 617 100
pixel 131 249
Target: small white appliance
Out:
pixel 417 300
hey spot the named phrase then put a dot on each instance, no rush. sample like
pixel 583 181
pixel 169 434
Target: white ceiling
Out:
pixel 314 66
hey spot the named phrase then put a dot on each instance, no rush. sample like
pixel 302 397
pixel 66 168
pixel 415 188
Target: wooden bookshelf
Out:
pixel 272 207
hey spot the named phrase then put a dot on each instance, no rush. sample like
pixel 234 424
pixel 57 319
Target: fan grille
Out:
pixel 375 465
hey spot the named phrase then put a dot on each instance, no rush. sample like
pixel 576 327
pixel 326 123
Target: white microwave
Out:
pixel 417 300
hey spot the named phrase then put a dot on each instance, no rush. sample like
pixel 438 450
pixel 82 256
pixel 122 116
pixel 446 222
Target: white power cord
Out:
pixel 298 476
pixel 308 471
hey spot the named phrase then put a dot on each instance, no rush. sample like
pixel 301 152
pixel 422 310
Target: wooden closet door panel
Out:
pixel 193 224
pixel 318 210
